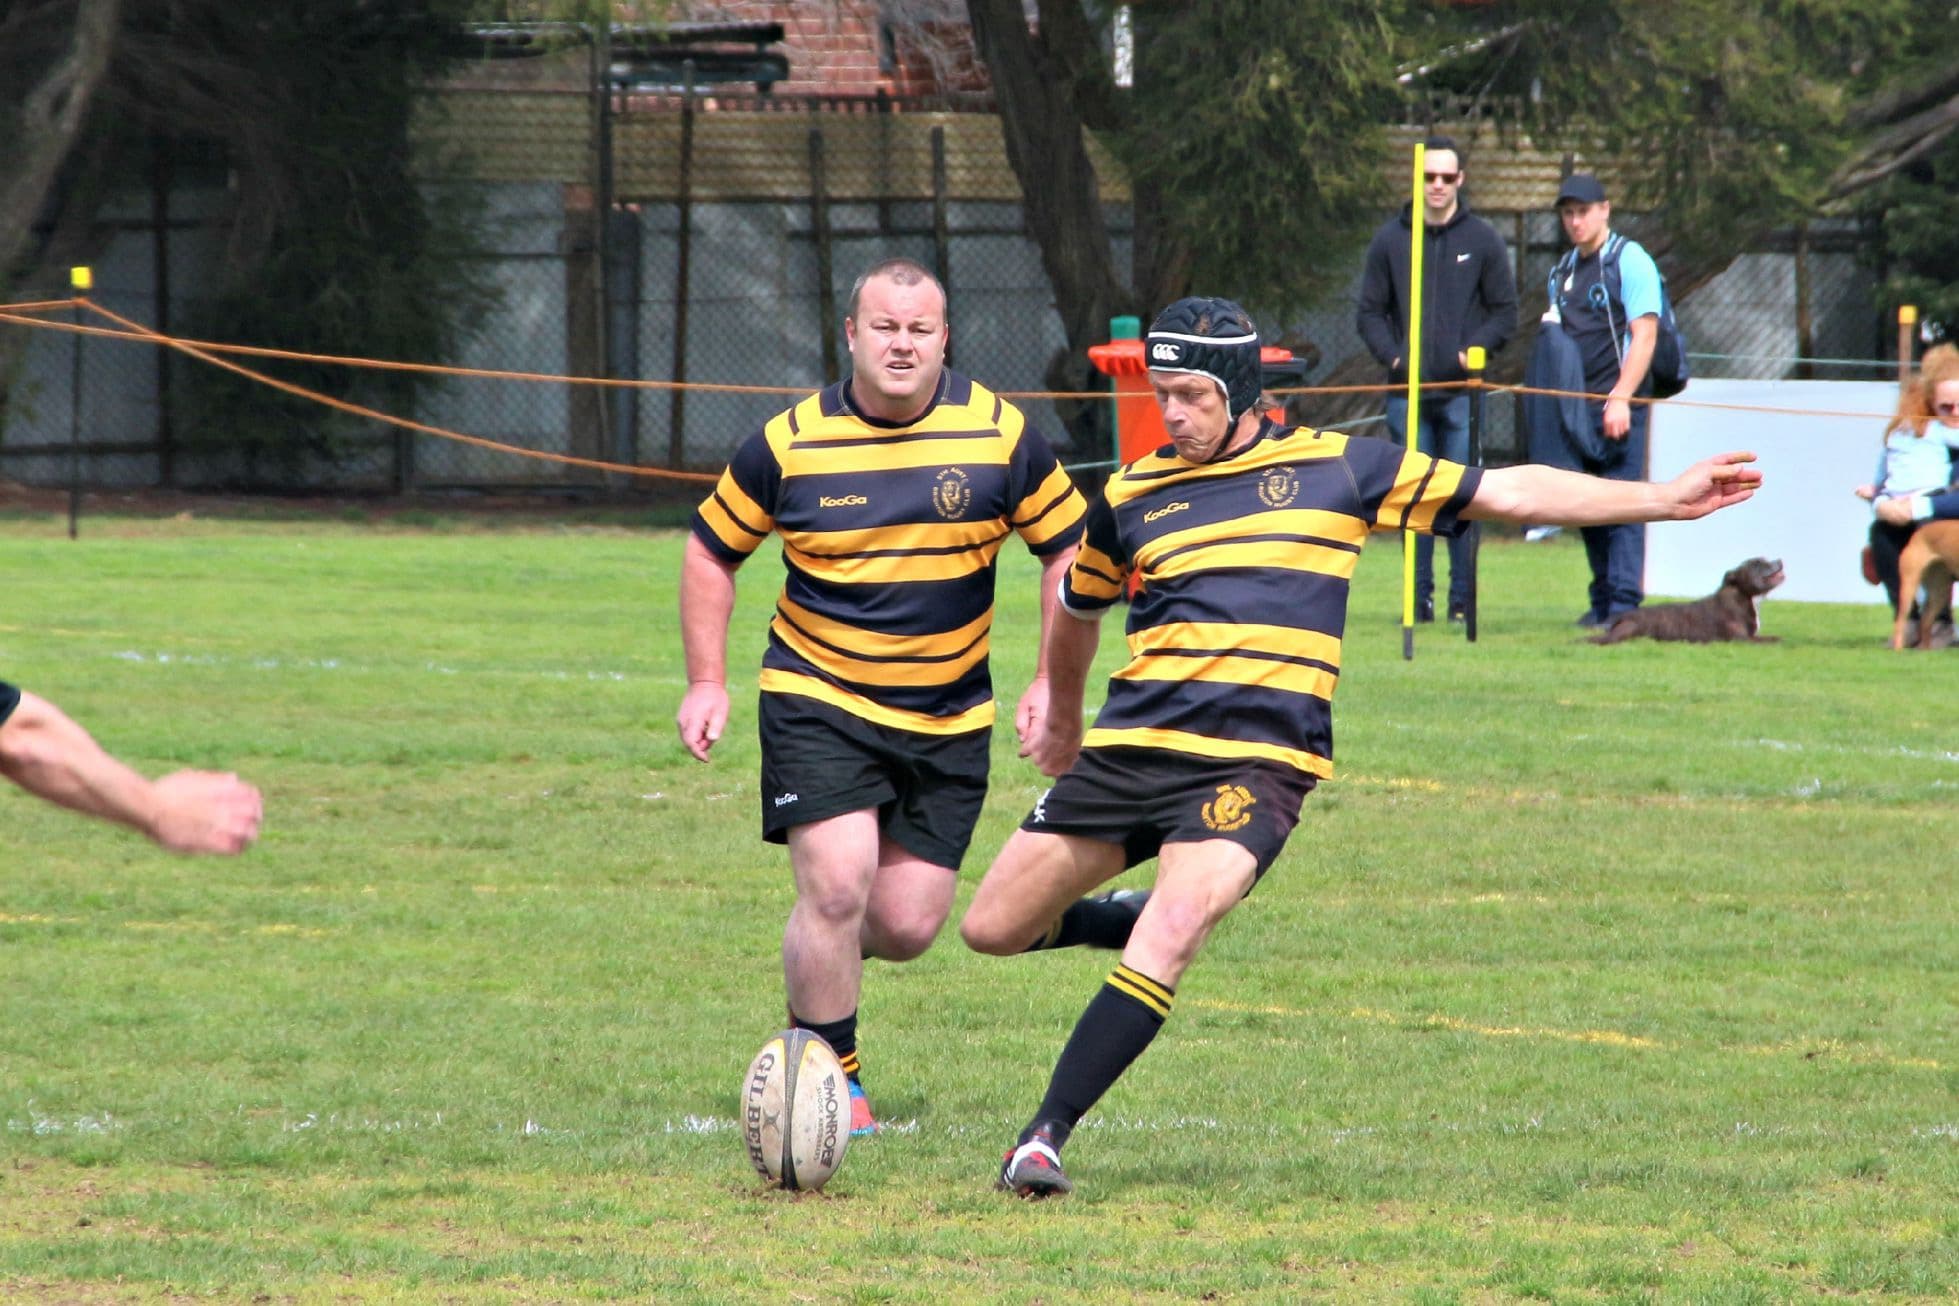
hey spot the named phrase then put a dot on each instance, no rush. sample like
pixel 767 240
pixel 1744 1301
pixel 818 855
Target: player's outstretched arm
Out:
pixel 46 753
pixel 1536 494
pixel 707 601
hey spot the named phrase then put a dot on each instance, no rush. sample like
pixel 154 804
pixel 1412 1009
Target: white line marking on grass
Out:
pixel 41 1125
pixel 1143 1125
pixel 699 1125
pixel 1771 745
pixel 726 1125
pixel 335 1122
pixel 166 658
pixel 1900 750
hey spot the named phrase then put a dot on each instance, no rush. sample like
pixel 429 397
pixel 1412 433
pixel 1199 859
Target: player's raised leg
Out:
pixel 1033 885
pixel 1197 885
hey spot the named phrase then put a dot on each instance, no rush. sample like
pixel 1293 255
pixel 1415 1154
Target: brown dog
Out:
pixel 1930 559
pixel 1731 612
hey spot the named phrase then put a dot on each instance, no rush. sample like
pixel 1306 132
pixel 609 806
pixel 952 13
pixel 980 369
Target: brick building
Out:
pixel 861 47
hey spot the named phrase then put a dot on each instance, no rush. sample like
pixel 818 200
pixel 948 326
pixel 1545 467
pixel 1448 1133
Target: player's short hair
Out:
pixel 898 271
pixel 1440 142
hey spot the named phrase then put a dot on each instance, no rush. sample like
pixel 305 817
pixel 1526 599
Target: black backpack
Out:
pixel 1669 370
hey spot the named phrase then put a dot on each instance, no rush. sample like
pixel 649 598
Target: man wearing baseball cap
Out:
pixel 1606 292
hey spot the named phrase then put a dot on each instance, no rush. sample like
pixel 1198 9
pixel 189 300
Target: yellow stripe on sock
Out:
pixel 850 1065
pixel 1142 988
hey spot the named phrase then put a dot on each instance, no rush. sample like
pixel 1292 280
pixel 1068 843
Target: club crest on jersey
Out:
pixel 953 494
pixel 1230 810
pixel 1278 487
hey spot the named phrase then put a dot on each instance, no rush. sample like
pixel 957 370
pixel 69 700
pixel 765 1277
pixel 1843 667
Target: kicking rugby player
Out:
pixel 1245 535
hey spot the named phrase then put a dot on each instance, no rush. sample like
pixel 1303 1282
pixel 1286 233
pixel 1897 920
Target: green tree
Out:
pixel 335 248
pixel 1254 132
pixel 53 56
pixel 1913 249
pixel 331 247
pixel 1253 138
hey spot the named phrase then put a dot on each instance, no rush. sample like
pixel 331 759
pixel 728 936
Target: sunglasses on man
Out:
pixel 1441 178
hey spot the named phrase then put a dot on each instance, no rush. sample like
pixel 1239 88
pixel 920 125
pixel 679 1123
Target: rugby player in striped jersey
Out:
pixel 893 493
pixel 1244 534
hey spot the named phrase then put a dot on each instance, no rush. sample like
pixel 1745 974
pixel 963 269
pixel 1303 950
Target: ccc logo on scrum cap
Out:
pixel 1165 352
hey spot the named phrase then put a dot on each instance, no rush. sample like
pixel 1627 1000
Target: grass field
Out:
pixel 1619 974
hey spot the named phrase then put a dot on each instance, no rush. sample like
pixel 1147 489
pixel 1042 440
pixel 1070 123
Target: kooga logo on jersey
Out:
pixel 841 501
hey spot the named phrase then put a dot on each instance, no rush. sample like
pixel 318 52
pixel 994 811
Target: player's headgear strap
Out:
pixel 1209 337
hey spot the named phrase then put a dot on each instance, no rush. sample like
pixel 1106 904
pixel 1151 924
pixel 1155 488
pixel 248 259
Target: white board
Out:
pixel 1811 459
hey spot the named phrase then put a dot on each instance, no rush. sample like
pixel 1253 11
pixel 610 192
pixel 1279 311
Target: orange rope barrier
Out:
pixel 361 410
pixel 206 351
pixel 40 306
pixel 147 336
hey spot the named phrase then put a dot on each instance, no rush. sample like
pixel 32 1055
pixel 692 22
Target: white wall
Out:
pixel 1805 514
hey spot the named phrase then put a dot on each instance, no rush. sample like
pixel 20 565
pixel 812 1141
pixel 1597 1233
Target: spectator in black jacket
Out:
pixel 1469 297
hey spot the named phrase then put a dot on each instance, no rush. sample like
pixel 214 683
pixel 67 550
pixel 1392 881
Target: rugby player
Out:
pixel 893 493
pixel 46 753
pixel 1245 535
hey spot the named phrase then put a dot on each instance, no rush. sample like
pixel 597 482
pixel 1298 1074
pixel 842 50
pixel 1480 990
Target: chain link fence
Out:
pixel 713 240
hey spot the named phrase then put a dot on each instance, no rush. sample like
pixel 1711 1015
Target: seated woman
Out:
pixel 1914 481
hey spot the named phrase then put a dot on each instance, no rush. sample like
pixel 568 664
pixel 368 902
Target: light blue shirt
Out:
pixel 1639 281
pixel 1913 464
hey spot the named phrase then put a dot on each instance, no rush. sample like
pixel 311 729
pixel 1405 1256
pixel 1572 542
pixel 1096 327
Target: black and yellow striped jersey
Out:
pixel 1245 564
pixel 890 535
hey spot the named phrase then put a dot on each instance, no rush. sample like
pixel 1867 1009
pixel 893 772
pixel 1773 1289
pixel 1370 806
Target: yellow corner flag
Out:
pixel 82 278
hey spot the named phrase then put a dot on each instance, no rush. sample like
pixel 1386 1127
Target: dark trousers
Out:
pixel 1441 431
pixel 1887 542
pixel 1618 553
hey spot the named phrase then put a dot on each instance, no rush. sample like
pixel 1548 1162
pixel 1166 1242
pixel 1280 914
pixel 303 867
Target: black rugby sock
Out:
pixel 1089 922
pixel 841 1035
pixel 1115 1027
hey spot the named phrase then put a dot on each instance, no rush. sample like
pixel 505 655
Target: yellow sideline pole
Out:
pixel 81 280
pixel 1413 420
pixel 1907 318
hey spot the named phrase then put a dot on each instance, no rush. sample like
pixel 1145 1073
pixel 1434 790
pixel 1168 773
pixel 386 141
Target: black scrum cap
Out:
pixel 1209 337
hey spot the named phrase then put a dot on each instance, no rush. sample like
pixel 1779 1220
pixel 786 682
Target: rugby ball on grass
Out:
pixel 795 1110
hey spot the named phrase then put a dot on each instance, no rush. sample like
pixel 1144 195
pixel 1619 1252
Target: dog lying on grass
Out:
pixel 1931 560
pixel 1731 612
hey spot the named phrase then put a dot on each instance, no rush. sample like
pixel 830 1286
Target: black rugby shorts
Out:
pixel 1143 798
pixel 819 761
